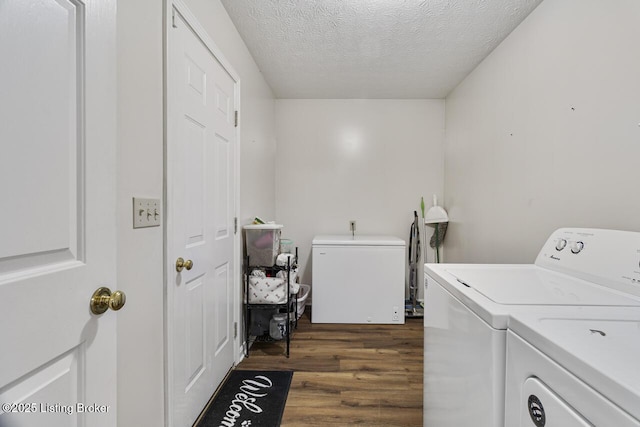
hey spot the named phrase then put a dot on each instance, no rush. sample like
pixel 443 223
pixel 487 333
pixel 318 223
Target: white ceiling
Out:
pixel 372 48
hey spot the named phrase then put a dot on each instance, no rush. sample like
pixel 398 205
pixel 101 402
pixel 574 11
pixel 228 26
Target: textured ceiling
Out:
pixel 372 48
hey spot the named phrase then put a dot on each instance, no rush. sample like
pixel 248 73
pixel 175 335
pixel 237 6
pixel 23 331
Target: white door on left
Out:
pixel 57 212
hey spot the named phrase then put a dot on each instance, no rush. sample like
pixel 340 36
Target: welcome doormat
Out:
pixel 249 399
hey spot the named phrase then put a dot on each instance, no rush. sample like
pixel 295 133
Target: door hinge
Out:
pixel 235 329
pixel 236 119
pixel 235 225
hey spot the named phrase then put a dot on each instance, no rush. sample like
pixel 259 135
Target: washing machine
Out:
pixel 573 368
pixel 468 307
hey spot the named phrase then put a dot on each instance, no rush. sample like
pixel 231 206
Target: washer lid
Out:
pixel 602 348
pixel 358 240
pixel 531 285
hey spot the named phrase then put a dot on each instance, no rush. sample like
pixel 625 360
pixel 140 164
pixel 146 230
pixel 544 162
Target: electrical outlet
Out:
pixel 352 225
pixel 146 212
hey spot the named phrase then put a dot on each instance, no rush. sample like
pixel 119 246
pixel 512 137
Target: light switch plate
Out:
pixel 146 212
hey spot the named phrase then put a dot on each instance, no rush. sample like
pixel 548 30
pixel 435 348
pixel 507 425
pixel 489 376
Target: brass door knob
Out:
pixel 102 300
pixel 181 263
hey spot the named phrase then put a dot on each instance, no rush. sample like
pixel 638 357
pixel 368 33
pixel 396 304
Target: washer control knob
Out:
pixel 576 247
pixel 561 244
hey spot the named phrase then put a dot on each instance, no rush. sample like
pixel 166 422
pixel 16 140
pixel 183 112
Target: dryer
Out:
pixel 468 307
pixel 573 368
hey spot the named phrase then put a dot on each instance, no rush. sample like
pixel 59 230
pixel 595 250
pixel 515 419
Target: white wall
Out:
pixel 546 133
pixel 140 173
pixel 140 263
pixel 363 160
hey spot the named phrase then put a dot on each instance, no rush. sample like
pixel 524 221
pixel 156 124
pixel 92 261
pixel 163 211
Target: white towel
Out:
pixel 258 273
pixel 293 282
pixel 281 260
pixel 294 288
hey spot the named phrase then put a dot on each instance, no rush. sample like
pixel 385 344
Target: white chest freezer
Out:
pixel 358 279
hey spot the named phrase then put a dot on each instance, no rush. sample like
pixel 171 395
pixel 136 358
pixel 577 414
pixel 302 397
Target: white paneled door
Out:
pixel 201 152
pixel 57 212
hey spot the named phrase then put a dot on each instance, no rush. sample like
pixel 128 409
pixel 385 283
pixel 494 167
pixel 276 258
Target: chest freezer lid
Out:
pixel 358 240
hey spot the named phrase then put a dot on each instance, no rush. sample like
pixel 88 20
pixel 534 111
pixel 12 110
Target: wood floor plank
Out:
pixel 382 398
pixel 369 375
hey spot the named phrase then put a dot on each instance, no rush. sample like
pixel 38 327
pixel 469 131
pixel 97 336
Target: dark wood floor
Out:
pixel 368 375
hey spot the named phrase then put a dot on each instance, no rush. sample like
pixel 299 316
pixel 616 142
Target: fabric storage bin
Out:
pixel 263 243
pixel 267 290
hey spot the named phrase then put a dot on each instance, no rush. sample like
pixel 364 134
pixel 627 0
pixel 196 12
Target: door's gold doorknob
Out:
pixel 181 263
pixel 102 300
